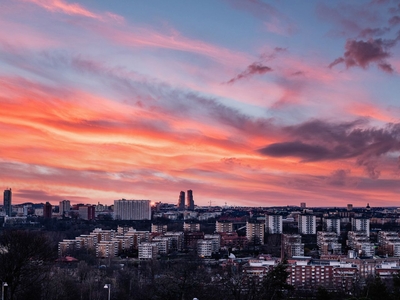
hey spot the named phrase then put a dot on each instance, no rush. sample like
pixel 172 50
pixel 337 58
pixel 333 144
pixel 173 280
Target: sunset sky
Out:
pixel 246 102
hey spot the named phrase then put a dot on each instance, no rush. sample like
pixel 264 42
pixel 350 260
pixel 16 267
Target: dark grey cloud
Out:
pixel 253 69
pixel 317 140
pixel 373 32
pixel 363 53
pixel 36 195
pixel 394 20
pixel 340 177
pixel 297 149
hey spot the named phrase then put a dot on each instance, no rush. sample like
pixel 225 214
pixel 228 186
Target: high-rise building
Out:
pixel 307 224
pixel 189 200
pixel 273 224
pixel 132 209
pixel 65 207
pixel 181 201
pixel 303 205
pixel 360 224
pixel 255 232
pixel 332 224
pixel 47 210
pixel 7 206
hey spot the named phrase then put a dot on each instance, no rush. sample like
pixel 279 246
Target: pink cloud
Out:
pixel 73 9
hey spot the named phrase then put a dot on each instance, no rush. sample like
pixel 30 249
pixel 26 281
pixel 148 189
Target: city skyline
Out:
pixel 249 103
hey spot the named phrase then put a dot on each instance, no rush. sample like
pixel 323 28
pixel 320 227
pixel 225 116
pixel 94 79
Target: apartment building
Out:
pixel 255 232
pixel 273 224
pixel 307 224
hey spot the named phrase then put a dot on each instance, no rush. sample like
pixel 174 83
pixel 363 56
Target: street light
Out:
pixel 3 284
pixel 106 286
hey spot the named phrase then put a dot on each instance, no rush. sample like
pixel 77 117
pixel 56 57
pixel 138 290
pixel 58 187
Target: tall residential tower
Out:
pixel 189 200
pixel 7 206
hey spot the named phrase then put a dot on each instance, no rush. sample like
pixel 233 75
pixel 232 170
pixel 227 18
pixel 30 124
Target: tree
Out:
pixel 275 284
pixel 24 257
pixel 376 289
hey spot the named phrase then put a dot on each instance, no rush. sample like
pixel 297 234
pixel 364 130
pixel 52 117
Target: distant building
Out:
pixel 107 249
pixel 132 209
pixel 303 205
pixel 349 207
pixel 360 224
pixel 47 210
pixel 359 241
pixel 389 243
pixel 87 212
pixel 148 251
pixel 64 208
pixel 328 243
pixel 291 246
pixel 255 232
pixel 232 240
pixel 191 227
pixel 223 226
pixel 158 228
pixel 181 201
pixel 191 238
pixel 307 224
pixel 273 224
pixel 189 200
pixel 204 248
pixel 7 202
pixel 332 224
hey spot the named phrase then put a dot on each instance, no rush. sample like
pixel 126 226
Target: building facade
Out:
pixel 255 232
pixel 181 201
pixel 132 209
pixel 223 226
pixel 7 202
pixel 273 224
pixel 360 224
pixel 307 224
pixel 64 208
pixel 189 200
pixel 332 225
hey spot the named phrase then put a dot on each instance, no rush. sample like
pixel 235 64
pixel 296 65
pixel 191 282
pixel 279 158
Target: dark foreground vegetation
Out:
pixel 28 263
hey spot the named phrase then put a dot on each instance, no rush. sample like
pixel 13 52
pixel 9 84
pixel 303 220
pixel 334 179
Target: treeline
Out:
pixel 28 265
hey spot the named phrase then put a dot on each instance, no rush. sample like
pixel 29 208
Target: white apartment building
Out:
pixel 216 241
pixel 328 243
pixel 148 251
pixel 132 209
pixel 360 224
pixel 273 224
pixel 359 241
pixel 389 241
pixel 332 225
pixel 307 224
pixel 204 248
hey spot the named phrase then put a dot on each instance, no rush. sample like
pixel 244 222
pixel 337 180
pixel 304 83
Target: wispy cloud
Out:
pixel 253 69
